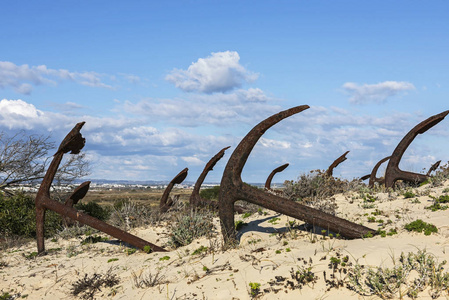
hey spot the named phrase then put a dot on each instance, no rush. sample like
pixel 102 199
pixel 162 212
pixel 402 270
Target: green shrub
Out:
pixel 18 217
pixel 255 288
pixel 420 226
pixel 94 210
pixel 437 203
pixel 409 194
pixel 210 193
pixel 200 250
pixel 239 224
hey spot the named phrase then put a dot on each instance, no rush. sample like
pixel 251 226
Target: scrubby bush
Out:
pixel 94 210
pixel 315 189
pixel 210 193
pixel 18 217
pixel 189 226
pixel 128 214
pixel 420 226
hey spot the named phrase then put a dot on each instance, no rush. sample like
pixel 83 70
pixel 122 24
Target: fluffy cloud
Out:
pixel 220 72
pixel 378 92
pixel 22 78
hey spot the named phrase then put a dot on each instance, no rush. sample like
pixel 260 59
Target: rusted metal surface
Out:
pixel 73 143
pixel 78 194
pixel 365 177
pixel 393 173
pixel 165 202
pixel 274 172
pixel 433 167
pixel 195 199
pixel 372 178
pixel 330 170
pixel 232 189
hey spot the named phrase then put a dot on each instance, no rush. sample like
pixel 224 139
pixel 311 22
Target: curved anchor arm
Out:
pixel 393 173
pixel 270 177
pixel 338 161
pixel 165 203
pixel 232 189
pixel 78 194
pixel 195 198
pixel 372 176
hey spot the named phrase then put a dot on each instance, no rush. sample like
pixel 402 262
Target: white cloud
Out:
pixel 22 78
pixel 220 72
pixel 242 106
pixel 193 160
pixel 135 147
pixel 378 92
pixel 18 113
pixel 274 144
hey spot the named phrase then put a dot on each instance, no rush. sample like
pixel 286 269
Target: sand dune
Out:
pixel 271 248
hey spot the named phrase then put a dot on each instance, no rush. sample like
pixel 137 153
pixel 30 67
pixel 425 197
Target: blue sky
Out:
pixel 164 85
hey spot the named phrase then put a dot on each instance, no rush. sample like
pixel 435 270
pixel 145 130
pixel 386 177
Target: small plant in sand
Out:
pixel 201 250
pixel 409 194
pixel 303 275
pixel 146 281
pixel 421 226
pixel 384 233
pixel 87 286
pixel 254 289
pixel 437 203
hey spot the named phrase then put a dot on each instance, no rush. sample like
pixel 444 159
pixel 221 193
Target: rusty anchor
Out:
pixel 372 177
pixel 73 143
pixel 433 167
pixel 393 173
pixel 166 203
pixel 274 172
pixel 195 198
pixel 233 189
pixel 330 170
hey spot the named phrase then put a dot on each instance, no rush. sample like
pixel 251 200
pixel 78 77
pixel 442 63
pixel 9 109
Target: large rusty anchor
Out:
pixel 166 203
pixel 330 170
pixel 195 198
pixel 393 173
pixel 274 172
pixel 232 189
pixel 73 143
